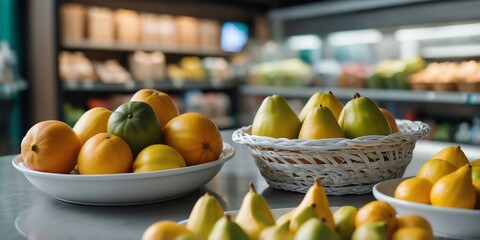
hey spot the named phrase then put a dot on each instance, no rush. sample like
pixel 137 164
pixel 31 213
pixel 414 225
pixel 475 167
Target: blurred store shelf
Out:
pixel 9 88
pixel 96 86
pixel 376 94
pixel 116 46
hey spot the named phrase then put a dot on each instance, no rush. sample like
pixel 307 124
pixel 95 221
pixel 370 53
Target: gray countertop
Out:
pixel 25 211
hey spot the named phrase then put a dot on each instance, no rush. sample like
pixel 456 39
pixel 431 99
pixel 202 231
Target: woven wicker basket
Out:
pixel 345 166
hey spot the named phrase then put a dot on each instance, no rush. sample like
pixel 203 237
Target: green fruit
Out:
pixel 325 99
pixel 226 229
pixel 315 229
pixel 319 124
pixel 205 213
pixel 371 231
pixel 137 124
pixel 362 117
pixel 344 218
pixel 276 119
pixel 301 216
pixel 277 232
pixel 254 214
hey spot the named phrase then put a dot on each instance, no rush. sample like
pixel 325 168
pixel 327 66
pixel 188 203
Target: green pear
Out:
pixel 319 124
pixel 276 119
pixel 326 99
pixel 277 232
pixel 301 216
pixel 344 218
pixel 205 213
pixel 314 229
pixel 362 117
pixel 254 214
pixel 371 231
pixel 226 229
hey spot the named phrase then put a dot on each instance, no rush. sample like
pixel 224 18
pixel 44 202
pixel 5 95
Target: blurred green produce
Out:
pixel 393 74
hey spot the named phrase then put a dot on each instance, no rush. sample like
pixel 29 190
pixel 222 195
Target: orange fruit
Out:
pixel 412 233
pixel 414 190
pixel 475 163
pixel 390 119
pixel 158 157
pixel 105 153
pixel 377 211
pixel 165 230
pixel 92 122
pixel 162 104
pixel 414 220
pixel 50 146
pixel 194 136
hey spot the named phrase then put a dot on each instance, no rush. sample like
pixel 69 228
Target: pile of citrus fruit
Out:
pixel 145 134
pixel 448 179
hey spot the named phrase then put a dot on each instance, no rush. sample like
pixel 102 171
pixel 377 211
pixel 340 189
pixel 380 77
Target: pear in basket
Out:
pixel 362 117
pixel 276 119
pixel 315 195
pixel 320 123
pixel 326 99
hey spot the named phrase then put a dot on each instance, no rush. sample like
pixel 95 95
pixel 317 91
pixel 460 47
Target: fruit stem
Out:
pixel 317 181
pixel 252 188
pixel 229 217
pixel 130 115
pixel 356 95
pixel 33 148
pixel 330 92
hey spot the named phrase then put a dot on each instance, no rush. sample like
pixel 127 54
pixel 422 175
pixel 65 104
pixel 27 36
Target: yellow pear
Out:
pixel 276 119
pixel 315 195
pixel 455 190
pixel 435 168
pixel 326 99
pixel 476 183
pixel 362 117
pixel 320 123
pixel 453 154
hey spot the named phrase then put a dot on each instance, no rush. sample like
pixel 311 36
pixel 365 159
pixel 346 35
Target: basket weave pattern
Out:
pixel 345 166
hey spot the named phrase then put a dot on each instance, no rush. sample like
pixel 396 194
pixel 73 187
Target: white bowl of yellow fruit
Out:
pixel 445 191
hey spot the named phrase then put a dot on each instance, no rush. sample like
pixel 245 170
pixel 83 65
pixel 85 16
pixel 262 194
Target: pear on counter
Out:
pixel 371 231
pixel 455 190
pixel 315 229
pixel 226 229
pixel 205 213
pixel 320 123
pixel 254 214
pixel 300 217
pixel 328 100
pixel 315 195
pixel 276 119
pixel 362 117
pixel 453 154
pixel 344 218
pixel 277 232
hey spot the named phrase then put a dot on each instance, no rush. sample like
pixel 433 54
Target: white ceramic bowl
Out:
pixel 126 188
pixel 447 222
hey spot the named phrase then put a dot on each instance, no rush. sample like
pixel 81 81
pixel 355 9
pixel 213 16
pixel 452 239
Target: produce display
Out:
pixel 448 179
pixel 311 219
pixel 144 134
pixel 323 116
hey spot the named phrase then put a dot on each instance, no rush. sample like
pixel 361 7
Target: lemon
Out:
pixel 158 157
pixel 414 190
